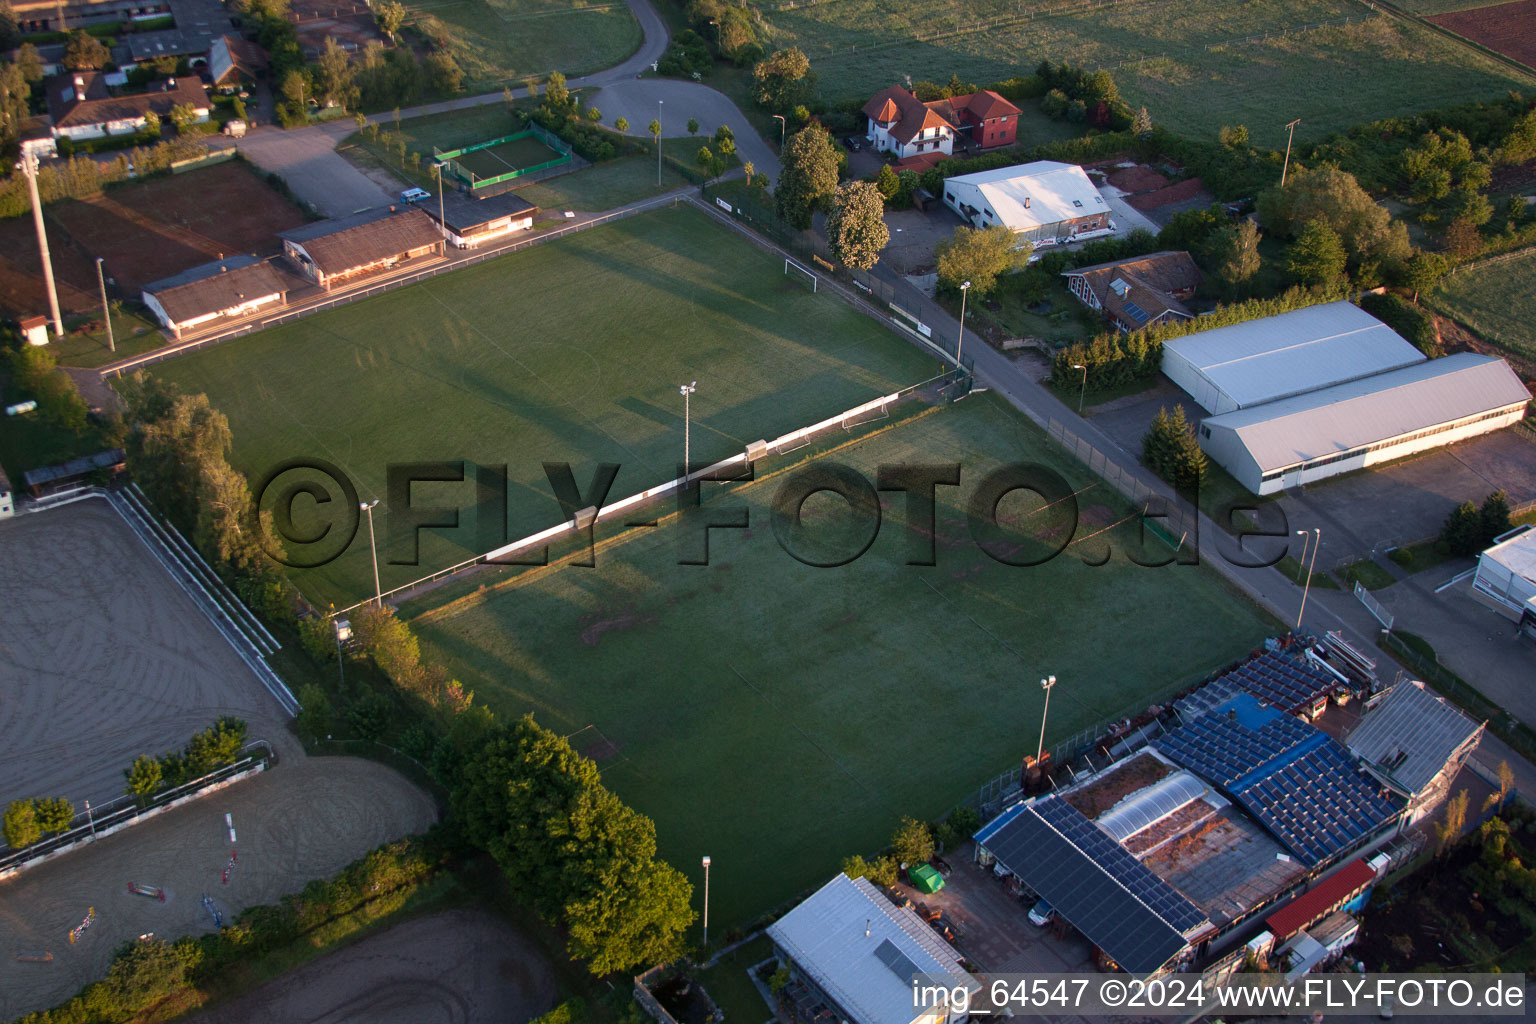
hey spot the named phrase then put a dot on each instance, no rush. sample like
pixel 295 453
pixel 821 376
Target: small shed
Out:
pixel 34 329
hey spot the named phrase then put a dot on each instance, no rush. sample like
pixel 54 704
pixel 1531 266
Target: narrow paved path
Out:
pixel 307 158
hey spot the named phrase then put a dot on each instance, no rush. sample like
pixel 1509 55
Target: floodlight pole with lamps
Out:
pixel 378 591
pixel 1306 542
pixel 706 901
pixel 1317 542
pixel 783 124
pixel 1046 684
pixel 687 391
pixel 106 311
pixel 658 142
pixel 965 290
pixel 1083 391
pixel 442 221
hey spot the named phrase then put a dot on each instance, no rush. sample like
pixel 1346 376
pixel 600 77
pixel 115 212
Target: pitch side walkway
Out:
pixel 307 158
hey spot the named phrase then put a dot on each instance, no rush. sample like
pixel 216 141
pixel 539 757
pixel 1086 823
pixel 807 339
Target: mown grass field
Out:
pixel 1498 301
pixel 571 351
pixel 1195 64
pixel 501 42
pixel 779 716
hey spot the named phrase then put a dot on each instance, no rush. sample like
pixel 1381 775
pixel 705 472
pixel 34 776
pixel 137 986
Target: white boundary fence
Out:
pixel 1373 606
pixel 125 813
pixel 589 517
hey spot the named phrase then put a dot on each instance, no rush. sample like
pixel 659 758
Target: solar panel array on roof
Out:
pixel 897 961
pixel 1274 677
pixel 1295 779
pixel 1083 892
pixel 1138 879
pixel 1135 312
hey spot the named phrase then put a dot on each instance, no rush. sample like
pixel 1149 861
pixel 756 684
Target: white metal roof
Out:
pixel 1518 555
pixel 1347 416
pixel 1412 734
pixel 1055 192
pixel 842 937
pixel 1305 349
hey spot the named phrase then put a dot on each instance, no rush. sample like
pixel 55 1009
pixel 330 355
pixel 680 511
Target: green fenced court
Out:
pixel 511 156
pixel 779 716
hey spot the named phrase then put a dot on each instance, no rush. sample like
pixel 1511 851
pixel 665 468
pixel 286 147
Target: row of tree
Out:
pixel 1470 529
pixel 913 842
pixel 27 821
pixel 216 746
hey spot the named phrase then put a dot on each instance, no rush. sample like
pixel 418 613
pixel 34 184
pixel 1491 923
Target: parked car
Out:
pixel 415 195
pixel 1042 914
pixel 854 143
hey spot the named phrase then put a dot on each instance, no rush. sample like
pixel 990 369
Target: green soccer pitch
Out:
pixel 779 717
pixel 572 351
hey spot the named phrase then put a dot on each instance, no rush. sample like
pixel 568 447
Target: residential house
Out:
pixel 82 107
pixel 901 124
pixel 333 251
pixel 233 62
pixel 1139 292
pixel 225 288
pixel 1045 202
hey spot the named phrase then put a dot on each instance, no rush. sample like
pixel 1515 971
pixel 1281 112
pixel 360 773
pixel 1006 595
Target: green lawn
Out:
pixel 133 335
pixel 29 441
pixel 501 42
pixel 1497 300
pixel 571 351
pixel 730 986
pixel 778 716
pixel 1195 64
pixel 610 184
pixel 1368 574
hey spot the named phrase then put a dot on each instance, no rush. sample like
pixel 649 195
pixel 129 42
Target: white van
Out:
pixel 414 195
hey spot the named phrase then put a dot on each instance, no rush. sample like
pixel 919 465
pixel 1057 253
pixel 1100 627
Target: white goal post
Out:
pixel 791 263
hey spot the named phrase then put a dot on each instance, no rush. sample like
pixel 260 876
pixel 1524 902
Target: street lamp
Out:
pixel 1306 542
pixel 706 901
pixel 782 125
pixel 965 289
pixel 658 142
pixel 1317 542
pixel 1045 684
pixel 106 311
pixel 1083 391
pixel 687 391
pixel 378 593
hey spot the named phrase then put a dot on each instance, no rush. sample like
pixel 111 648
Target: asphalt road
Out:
pixel 307 158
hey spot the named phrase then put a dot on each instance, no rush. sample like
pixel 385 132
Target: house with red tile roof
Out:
pixel 901 124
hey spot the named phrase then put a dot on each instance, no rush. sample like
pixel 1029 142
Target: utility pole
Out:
pixel 28 167
pixel 658 142
pixel 1287 165
pixel 106 310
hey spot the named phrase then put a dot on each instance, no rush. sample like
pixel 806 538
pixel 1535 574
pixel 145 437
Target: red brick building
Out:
pixel 901 124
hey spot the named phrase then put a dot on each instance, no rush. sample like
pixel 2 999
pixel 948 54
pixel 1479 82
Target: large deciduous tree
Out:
pixel 84 52
pixel 1234 253
pixel 808 178
pixel 856 227
pixel 784 80
pixel 1369 234
pixel 980 256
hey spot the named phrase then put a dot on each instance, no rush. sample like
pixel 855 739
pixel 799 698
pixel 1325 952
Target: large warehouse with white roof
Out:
pixel 1256 361
pixel 1042 202
pixel 1276 445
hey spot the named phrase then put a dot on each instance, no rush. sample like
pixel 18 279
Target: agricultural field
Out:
pixel 569 352
pixel 1497 300
pixel 780 716
pixel 503 42
pixel 1509 29
pixel 1195 64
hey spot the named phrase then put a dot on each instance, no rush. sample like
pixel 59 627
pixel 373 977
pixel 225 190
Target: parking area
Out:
pixel 992 927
